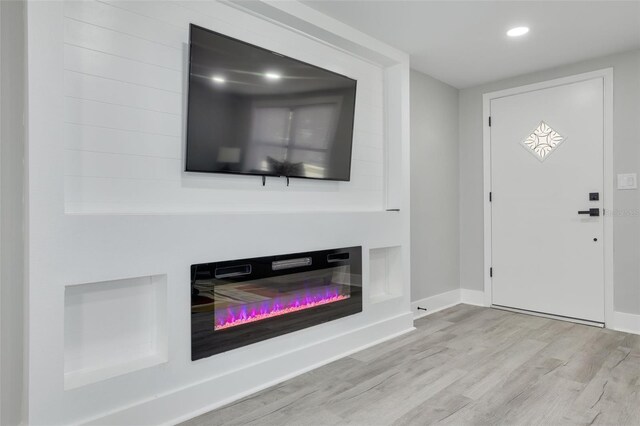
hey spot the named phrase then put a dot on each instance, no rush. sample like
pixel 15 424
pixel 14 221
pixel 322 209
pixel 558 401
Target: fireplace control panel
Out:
pixel 279 265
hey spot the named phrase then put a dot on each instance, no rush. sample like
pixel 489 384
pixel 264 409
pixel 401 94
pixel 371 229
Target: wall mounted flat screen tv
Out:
pixel 253 111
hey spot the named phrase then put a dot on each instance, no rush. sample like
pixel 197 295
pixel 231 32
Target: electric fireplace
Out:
pixel 239 302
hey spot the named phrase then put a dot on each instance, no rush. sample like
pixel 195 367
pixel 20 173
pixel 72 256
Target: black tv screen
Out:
pixel 253 111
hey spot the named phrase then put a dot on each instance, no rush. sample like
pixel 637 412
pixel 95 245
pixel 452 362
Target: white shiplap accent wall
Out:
pixel 124 83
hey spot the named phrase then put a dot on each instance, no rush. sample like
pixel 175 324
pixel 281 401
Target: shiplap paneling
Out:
pixel 112 42
pixel 125 84
pixel 125 22
pixel 98 164
pixel 121 69
pixel 100 139
pixel 101 114
pixel 95 88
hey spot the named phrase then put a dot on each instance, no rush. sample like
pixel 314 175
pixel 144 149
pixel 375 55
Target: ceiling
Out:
pixel 464 44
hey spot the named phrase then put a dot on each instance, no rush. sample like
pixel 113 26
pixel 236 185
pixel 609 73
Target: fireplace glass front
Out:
pixel 240 302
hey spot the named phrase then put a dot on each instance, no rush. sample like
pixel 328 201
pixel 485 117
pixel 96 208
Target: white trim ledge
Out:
pixel 628 323
pixel 446 300
pixel 622 321
pixel 435 303
pixel 472 297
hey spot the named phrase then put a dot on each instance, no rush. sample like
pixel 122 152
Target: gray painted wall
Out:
pixel 12 147
pixel 626 129
pixel 434 187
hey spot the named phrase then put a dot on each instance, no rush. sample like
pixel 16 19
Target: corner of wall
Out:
pixel 435 223
pixel 12 184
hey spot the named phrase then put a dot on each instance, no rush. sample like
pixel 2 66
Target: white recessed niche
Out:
pixel 113 328
pixel 385 273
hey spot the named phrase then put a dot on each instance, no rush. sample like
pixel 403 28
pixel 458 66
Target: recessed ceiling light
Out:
pixel 218 79
pixel 517 31
pixel 273 76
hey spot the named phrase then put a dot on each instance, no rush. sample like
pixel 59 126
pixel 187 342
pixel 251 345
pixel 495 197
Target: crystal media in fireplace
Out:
pixel 240 302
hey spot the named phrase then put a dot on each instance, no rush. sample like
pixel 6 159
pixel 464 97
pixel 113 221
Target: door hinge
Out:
pixel 491 272
pixel 490 197
pixel 489 121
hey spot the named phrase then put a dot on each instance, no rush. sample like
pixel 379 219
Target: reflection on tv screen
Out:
pixel 252 111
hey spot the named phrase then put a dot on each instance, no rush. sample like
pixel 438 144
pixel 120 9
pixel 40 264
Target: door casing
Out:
pixel 607 76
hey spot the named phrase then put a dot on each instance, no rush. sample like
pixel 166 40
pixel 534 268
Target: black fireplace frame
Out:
pixel 206 341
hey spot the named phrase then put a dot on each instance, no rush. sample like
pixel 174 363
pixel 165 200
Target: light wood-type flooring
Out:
pixel 465 365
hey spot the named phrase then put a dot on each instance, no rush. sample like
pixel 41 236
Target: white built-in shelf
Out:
pixel 113 328
pixel 385 274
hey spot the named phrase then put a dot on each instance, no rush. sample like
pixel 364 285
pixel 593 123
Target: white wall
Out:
pixel 626 68
pixel 12 209
pixel 434 187
pixel 107 142
pixel 124 84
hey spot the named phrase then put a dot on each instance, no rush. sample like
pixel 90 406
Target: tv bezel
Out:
pixel 353 113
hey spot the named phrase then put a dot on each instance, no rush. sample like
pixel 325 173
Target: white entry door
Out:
pixel 547 151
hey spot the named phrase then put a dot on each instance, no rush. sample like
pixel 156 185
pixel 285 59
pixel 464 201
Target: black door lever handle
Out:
pixel 590 212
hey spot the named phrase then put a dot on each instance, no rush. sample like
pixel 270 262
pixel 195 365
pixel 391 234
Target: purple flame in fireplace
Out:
pixel 281 305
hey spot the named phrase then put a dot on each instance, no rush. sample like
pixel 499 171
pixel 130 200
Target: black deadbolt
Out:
pixel 594 196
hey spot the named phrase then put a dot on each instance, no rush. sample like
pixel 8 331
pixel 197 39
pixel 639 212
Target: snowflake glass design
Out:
pixel 543 141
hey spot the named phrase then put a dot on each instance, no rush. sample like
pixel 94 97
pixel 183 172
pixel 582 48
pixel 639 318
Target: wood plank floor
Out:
pixel 465 365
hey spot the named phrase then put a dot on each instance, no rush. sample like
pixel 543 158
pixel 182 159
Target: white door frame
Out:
pixel 607 76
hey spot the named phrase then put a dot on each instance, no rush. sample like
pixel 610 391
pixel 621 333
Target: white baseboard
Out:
pixel 472 297
pixel 446 300
pixel 622 321
pixel 435 303
pixel 198 398
pixel 629 323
